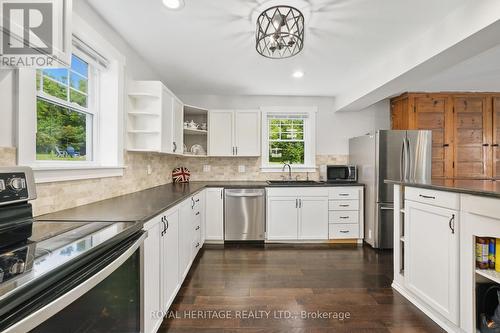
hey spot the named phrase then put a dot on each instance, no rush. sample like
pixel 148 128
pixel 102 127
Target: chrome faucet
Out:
pixel 289 170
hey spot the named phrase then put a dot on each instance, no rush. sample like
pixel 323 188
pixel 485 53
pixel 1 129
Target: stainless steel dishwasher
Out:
pixel 244 214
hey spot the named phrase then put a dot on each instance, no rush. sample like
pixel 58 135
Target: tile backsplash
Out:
pixel 62 195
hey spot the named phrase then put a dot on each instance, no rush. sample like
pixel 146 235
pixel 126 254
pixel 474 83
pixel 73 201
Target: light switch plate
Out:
pixel 150 169
pixel 206 168
pixel 242 168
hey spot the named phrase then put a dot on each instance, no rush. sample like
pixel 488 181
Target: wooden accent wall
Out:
pixel 465 130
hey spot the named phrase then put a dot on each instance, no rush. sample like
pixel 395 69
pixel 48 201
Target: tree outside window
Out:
pixel 286 141
pixel 64 123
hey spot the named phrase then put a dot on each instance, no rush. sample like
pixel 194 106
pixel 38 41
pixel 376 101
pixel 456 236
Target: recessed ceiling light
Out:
pixel 298 74
pixel 173 4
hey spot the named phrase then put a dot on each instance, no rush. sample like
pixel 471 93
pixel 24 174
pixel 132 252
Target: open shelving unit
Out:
pixel 143 125
pixel 195 136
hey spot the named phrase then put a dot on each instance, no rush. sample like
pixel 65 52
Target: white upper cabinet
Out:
pixel 247 133
pixel 220 136
pixel 234 133
pixel 155 119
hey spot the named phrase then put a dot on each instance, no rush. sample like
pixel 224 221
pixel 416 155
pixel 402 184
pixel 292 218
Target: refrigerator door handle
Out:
pixel 407 160
pixel 402 161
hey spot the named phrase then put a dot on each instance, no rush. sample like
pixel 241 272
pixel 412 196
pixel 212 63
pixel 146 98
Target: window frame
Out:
pixel 111 87
pixel 92 110
pixel 309 134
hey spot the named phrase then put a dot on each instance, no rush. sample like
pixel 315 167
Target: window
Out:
pixel 288 137
pixel 70 120
pixel 65 116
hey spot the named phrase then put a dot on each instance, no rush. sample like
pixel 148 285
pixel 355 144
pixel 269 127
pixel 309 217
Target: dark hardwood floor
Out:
pixel 270 289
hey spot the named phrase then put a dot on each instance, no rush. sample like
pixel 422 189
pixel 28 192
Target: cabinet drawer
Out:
pixel 343 217
pixel 343 193
pixel 343 205
pixel 343 231
pixel 433 197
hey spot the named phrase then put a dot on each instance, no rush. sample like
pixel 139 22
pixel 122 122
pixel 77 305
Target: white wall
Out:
pixel 136 68
pixel 333 128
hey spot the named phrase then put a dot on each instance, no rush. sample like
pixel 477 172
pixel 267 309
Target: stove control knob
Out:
pixel 17 184
pixel 2 185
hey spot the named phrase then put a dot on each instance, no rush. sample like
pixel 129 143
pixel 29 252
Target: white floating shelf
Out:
pixel 143 132
pixel 142 95
pixel 151 114
pixel 193 155
pixel 195 131
pixel 490 274
pixel 139 150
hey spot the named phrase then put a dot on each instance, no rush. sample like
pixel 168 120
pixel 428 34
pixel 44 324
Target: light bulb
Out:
pixel 173 4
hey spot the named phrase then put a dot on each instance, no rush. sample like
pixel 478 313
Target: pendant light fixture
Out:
pixel 280 32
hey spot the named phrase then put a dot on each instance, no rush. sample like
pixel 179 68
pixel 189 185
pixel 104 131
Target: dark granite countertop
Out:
pixel 487 188
pixel 143 205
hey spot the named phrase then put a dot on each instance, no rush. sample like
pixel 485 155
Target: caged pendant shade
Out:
pixel 280 32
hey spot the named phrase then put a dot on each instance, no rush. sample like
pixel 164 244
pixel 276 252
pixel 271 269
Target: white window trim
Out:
pixel 309 138
pixel 26 94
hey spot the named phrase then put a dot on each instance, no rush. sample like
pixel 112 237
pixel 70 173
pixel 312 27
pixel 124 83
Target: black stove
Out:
pixel 17 187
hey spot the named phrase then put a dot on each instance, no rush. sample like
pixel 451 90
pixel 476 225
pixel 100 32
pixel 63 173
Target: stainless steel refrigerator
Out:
pixel 385 155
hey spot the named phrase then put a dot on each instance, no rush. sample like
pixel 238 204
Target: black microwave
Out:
pixel 341 174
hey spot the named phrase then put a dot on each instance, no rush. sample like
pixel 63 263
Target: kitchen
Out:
pixel 234 179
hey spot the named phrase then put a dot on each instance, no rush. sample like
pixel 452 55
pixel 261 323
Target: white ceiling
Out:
pixel 209 47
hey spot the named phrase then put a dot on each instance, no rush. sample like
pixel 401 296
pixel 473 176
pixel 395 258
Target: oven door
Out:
pixel 102 296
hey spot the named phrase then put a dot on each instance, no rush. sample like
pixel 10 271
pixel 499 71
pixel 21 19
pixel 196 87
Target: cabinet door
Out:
pixel 167 119
pixel 247 133
pixel 170 259
pixel 220 135
pixel 496 138
pixel 313 220
pixel 399 114
pixel 432 112
pixel 185 238
pixel 151 267
pixel 431 257
pixel 472 137
pixel 282 218
pixel 178 126
pixel 214 214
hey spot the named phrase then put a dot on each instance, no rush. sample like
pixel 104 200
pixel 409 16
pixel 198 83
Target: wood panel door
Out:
pixel 472 124
pixel 399 114
pixel 496 138
pixel 434 113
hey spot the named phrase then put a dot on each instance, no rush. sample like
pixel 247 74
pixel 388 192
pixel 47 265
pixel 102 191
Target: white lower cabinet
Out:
pixel 282 218
pixel 169 258
pixel 432 257
pixel 151 277
pixel 292 216
pixel 214 215
pixel 313 219
pixel 185 238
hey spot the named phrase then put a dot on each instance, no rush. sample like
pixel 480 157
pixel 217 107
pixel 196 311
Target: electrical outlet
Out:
pixel 206 168
pixel 370 234
pixel 242 168
pixel 150 169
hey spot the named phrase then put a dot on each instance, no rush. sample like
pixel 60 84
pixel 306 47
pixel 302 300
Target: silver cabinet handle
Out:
pixel 197 244
pixel 296 203
pixel 344 205
pixel 197 213
pixel 236 150
pixel 451 224
pixel 175 146
pixel 427 196
pixel 197 228
pixel 344 231
pixel 343 194
pixel 344 217
pixel 386 208
pixel 300 203
pixel 192 203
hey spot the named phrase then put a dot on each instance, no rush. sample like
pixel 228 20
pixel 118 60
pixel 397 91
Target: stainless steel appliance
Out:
pixel 64 276
pixel 405 155
pixel 341 174
pixel 244 214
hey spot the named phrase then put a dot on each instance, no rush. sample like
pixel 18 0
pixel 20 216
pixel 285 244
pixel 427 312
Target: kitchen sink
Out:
pixel 292 182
